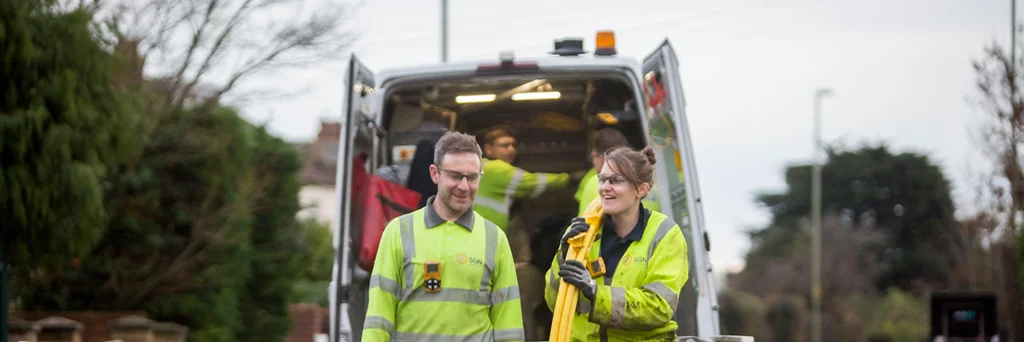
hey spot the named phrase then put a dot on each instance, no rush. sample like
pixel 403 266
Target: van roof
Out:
pixel 543 62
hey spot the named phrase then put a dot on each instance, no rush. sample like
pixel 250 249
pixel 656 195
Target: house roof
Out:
pixel 320 157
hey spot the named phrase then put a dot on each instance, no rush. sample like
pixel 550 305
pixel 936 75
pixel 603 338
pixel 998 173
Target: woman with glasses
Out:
pixel 605 140
pixel 644 257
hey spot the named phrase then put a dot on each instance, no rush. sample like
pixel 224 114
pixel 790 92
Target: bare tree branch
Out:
pixel 213 228
pixel 995 233
pixel 167 20
pixel 186 61
pixel 201 37
pixel 259 95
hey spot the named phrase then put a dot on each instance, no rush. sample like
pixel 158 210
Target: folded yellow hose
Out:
pixel 568 295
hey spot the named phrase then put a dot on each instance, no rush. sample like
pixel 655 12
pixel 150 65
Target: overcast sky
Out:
pixel 901 71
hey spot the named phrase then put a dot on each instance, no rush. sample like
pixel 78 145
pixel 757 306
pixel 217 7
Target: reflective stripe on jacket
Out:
pixel 501 182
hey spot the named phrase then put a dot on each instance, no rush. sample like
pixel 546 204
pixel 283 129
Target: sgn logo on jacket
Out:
pixel 629 260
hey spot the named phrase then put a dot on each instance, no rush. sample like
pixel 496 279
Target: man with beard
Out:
pixel 444 272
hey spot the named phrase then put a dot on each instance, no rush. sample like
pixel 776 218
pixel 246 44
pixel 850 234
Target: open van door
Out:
pixel 697 312
pixel 358 107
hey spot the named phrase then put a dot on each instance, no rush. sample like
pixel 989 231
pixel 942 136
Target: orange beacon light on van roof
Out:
pixel 605 44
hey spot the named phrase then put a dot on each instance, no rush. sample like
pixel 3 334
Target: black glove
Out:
pixel 573 272
pixel 576 227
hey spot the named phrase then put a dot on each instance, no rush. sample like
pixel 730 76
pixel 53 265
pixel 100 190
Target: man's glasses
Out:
pixel 458 176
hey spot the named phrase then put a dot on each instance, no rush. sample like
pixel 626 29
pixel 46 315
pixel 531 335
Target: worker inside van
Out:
pixel 502 182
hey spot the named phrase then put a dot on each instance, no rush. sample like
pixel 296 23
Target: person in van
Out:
pixel 644 253
pixel 443 272
pixel 605 140
pixel 502 182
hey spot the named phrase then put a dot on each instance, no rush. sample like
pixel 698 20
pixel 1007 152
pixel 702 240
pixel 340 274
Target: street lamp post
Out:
pixel 816 218
pixel 444 31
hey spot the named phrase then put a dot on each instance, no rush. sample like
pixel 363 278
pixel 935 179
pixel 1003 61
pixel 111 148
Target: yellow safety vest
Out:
pixel 502 182
pixel 479 295
pixel 639 301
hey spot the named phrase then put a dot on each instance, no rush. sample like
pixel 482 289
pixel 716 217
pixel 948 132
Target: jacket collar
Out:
pixel 637 233
pixel 433 219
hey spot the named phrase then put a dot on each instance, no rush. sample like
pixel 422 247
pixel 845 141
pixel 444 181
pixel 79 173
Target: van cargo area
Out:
pixel 553 134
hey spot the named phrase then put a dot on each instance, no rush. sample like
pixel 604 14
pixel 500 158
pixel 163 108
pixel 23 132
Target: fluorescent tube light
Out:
pixel 474 98
pixel 543 95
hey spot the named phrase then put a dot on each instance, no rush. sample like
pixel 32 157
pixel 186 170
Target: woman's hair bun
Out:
pixel 649 153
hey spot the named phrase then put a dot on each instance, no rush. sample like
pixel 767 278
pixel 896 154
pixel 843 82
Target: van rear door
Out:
pixel 358 109
pixel 668 133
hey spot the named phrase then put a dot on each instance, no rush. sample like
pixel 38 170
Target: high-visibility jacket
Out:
pixel 588 191
pixel 502 182
pixel 639 301
pixel 479 295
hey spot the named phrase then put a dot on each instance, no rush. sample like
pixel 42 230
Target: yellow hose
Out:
pixel 565 306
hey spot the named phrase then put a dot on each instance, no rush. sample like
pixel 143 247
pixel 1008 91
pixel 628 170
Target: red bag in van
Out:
pixel 375 202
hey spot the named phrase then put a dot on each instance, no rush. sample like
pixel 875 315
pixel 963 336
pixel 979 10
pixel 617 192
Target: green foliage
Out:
pixel 188 215
pixel 887 221
pixel 787 316
pixel 64 127
pixel 201 162
pixel 904 195
pixel 275 235
pixel 315 264
pixel 898 317
pixel 313 291
pixel 742 314
pixel 204 234
pixel 177 242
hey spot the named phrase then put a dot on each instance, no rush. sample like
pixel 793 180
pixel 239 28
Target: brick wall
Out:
pixel 325 320
pixel 307 321
pixel 96 324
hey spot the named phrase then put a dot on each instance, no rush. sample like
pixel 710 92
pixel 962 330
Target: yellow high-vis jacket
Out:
pixel 478 298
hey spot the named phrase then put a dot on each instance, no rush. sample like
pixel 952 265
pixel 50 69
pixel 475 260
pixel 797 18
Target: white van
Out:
pixel 554 103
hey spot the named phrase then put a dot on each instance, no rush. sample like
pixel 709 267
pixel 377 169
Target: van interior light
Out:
pixel 541 95
pixel 605 43
pixel 474 98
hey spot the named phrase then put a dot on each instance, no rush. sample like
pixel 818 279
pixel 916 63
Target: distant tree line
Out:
pixel 890 236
